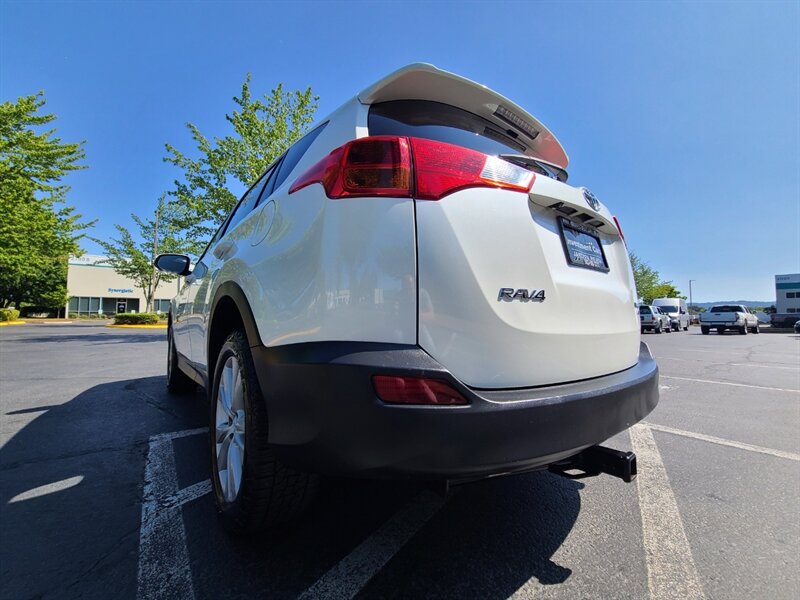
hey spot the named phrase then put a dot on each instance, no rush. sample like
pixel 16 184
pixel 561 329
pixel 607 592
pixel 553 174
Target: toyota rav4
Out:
pixel 396 296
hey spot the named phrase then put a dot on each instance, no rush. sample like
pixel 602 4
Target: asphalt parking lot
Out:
pixel 104 492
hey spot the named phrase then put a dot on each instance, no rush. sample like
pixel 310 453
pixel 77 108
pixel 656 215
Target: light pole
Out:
pixel 690 293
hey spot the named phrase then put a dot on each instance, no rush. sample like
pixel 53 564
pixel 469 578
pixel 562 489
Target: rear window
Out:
pixel 726 308
pixel 668 309
pixel 644 310
pixel 442 123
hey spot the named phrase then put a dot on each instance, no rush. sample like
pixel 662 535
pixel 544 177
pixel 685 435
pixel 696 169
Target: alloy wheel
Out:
pixel 229 429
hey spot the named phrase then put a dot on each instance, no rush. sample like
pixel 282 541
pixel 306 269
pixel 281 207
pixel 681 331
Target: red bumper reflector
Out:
pixel 416 390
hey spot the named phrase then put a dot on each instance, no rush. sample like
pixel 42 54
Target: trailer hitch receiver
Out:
pixel 596 460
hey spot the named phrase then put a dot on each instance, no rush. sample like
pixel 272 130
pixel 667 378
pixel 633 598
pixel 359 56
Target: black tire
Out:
pixel 270 493
pixel 178 382
pixel 756 329
pixel 643 330
pixel 743 329
pixel 686 328
pixel 658 328
pixel 704 330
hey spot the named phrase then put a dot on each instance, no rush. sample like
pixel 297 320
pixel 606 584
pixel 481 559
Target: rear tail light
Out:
pixel 416 390
pixel 382 166
pixel 376 166
pixel 442 169
pixel 619 228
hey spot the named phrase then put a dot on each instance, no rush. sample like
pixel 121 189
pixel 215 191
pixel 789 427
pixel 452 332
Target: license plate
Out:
pixel 582 247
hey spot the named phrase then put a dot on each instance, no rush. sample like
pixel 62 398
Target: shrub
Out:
pixel 9 314
pixel 136 319
pixel 37 312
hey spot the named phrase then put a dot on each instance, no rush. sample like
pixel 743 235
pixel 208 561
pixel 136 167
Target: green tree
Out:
pixel 38 231
pixel 646 278
pixel 262 130
pixel 132 255
pixel 648 282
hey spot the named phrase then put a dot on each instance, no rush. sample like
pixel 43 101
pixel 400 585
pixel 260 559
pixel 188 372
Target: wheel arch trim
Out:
pixel 232 291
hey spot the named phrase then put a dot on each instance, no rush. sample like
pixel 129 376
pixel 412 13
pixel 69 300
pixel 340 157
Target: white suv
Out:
pixel 396 296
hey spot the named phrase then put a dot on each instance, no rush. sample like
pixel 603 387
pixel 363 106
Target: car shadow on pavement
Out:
pixel 98 337
pixel 486 541
pixel 71 506
pixel 70 488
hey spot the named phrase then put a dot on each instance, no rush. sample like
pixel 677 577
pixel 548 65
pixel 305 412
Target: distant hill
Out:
pixel 748 303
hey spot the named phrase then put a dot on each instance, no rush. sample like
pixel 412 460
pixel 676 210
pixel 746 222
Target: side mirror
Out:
pixel 180 264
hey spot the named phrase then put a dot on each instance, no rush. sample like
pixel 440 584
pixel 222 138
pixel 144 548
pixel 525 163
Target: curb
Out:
pixel 138 326
pixel 7 323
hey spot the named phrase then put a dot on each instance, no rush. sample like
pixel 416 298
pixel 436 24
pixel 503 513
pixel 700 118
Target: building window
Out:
pixel 85 306
pixel 791 310
pixel 161 306
pixel 92 307
pixel 791 294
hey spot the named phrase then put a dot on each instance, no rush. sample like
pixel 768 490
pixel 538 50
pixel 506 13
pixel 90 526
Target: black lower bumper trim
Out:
pixel 324 415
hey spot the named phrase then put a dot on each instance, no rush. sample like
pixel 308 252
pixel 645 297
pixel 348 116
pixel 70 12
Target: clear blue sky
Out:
pixel 684 118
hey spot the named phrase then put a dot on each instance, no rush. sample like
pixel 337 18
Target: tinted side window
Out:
pixel 442 123
pixel 248 202
pixel 295 153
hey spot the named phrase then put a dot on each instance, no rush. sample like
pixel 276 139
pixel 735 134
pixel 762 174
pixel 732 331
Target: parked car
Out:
pixel 729 316
pixel 797 327
pixel 782 320
pixel 652 319
pixel 675 309
pixel 395 297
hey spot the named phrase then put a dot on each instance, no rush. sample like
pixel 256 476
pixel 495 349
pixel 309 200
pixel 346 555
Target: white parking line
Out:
pixel 760 366
pixel 765 366
pixel 164 570
pixel 354 571
pixel 744 385
pixel 671 572
pixel 724 442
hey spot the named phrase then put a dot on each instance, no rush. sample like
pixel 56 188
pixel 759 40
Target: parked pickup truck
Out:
pixel 729 316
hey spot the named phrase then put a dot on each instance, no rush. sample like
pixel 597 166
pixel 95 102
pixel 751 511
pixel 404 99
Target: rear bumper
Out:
pixel 324 415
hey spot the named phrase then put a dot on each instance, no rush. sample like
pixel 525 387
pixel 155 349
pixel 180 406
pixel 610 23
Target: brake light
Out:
pixel 382 166
pixel 374 166
pixel 619 228
pixel 442 169
pixel 416 390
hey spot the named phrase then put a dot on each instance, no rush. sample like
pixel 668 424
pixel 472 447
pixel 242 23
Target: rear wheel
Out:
pixel 658 328
pixel 743 329
pixel 756 329
pixel 704 330
pixel 253 490
pixel 177 381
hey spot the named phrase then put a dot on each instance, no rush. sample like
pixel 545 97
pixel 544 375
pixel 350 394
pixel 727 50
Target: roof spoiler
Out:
pixel 422 81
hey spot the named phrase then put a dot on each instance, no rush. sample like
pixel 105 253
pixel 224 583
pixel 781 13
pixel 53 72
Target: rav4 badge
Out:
pixel 521 294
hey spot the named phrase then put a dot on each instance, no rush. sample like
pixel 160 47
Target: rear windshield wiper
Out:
pixel 547 168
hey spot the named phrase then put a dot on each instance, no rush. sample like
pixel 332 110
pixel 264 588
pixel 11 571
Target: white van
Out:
pixel 677 311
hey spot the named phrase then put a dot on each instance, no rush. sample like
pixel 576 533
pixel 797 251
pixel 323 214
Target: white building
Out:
pixel 95 288
pixel 787 293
